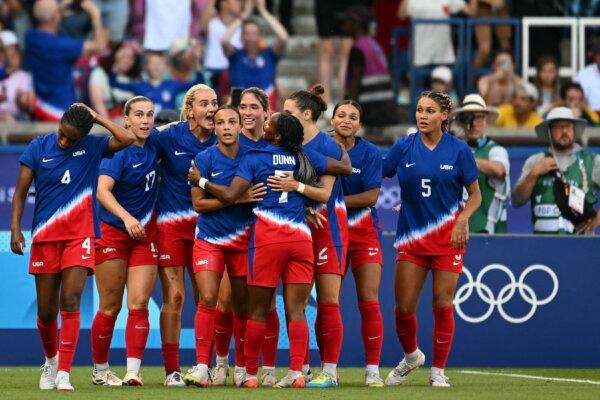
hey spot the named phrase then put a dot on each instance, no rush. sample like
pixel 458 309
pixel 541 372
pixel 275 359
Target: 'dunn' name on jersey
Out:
pixel 279 159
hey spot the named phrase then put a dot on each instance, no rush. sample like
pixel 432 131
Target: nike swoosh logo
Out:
pixel 136 165
pixel 455 263
pixel 215 174
pixel 438 340
pixel 373 337
pixel 373 253
pixel 66 343
pixel 321 262
pixel 179 153
pixel 407 165
pixel 141 327
pixel 85 257
pixel 270 337
pixel 104 337
pixel 47 159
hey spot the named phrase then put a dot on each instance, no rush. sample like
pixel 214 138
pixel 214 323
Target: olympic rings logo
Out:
pixel 389 197
pixel 505 294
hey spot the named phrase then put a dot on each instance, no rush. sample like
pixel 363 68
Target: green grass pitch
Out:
pixel 21 383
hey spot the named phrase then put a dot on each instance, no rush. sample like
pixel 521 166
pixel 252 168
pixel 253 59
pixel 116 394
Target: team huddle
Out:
pixel 242 199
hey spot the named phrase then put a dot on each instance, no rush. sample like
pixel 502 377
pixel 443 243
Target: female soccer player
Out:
pixel 64 168
pixel 330 242
pixel 361 190
pixel 126 254
pixel 222 238
pixel 432 167
pixel 178 144
pixel 280 244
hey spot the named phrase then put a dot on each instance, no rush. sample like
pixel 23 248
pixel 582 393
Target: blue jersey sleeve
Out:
pixel 333 150
pixel 391 160
pixel 112 167
pixel 31 156
pixel 102 143
pixel 204 164
pixel 318 161
pixel 468 168
pixel 246 167
pixel 372 176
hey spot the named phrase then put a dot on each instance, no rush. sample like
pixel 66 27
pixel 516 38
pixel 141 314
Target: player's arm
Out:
pixel 276 27
pixel 99 39
pixel 287 183
pixel 107 199
pixel 17 240
pixel 460 232
pixel 364 199
pixel 121 137
pixel 339 167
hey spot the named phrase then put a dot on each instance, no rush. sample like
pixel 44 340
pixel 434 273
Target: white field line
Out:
pixel 538 377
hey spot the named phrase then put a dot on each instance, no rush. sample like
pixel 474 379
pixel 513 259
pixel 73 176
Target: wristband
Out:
pixel 301 187
pixel 202 182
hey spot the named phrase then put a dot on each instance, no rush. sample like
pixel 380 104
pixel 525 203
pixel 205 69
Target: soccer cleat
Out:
pixel 323 380
pixel 293 379
pixel 372 379
pixel 239 375
pixel 105 378
pixel 174 379
pixel 197 376
pixel 132 378
pixel 268 377
pixel 219 375
pixel 308 376
pixel 251 382
pixel 438 379
pixel 398 375
pixel 63 384
pixel 48 377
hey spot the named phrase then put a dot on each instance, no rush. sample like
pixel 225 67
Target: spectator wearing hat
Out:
pixel 492 163
pixel 520 113
pixel 16 89
pixel 560 182
pixel 589 78
pixel 441 81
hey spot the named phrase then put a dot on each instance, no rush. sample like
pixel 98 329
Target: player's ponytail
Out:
pixel 292 136
pixel 311 99
pixel 79 118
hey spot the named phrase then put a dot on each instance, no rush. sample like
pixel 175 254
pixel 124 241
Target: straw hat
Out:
pixel 560 114
pixel 475 103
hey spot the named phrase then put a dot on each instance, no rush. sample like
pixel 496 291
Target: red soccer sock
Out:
pixel 204 328
pixel 170 353
pixel 307 354
pixel 319 335
pixel 255 336
pixel 372 330
pixel 239 331
pixel 269 350
pixel 443 332
pixel 298 335
pixel 136 333
pixel 102 332
pixel 406 328
pixel 332 332
pixel 48 334
pixel 69 334
pixel 223 332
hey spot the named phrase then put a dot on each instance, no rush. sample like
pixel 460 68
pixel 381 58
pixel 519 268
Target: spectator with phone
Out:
pixel 498 87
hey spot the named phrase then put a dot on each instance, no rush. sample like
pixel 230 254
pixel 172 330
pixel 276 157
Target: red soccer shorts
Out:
pixel 444 262
pixel 292 261
pixel 362 253
pixel 212 257
pixel 116 243
pixel 174 250
pixel 330 260
pixel 53 257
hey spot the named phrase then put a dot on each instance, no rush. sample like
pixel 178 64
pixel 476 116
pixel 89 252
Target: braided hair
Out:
pixel 292 136
pixel 79 118
pixel 443 100
pixel 311 99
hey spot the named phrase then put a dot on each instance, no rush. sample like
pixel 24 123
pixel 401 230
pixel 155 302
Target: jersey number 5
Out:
pixel 426 185
pixel 284 195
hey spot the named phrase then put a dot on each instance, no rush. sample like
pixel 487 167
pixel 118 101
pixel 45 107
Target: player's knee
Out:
pixel 294 312
pixel 368 294
pixel 208 299
pixel 70 301
pixel 138 303
pixel 224 304
pixel 443 298
pixel 47 314
pixel 405 308
pixel 174 301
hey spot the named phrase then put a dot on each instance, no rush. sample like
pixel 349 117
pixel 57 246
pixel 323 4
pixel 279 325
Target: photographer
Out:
pixel 492 163
pixel 562 181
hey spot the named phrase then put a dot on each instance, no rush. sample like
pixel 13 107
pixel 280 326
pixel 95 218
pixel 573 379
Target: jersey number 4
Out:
pixel 66 178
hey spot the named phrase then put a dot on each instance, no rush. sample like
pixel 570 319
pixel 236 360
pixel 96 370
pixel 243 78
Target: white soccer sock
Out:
pixel 133 364
pixel 52 360
pixel 330 368
pixel 203 367
pixel 374 369
pixel 412 356
pixel 223 360
pixel 62 374
pixel 305 368
pixel 265 368
pixel 439 371
pixel 101 367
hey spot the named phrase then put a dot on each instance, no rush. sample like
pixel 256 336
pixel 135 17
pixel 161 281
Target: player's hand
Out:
pixel 253 194
pixel 284 183
pixel 134 228
pixel 17 241
pixel 543 166
pixel 248 9
pixel 94 113
pixel 588 227
pixel 314 218
pixel 460 233
pixel 194 174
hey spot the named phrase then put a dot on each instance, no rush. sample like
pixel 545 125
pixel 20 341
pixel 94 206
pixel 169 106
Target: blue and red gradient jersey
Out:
pixel 245 141
pixel 280 216
pixel 228 227
pixel 431 186
pixel 177 147
pixel 135 188
pixel 65 186
pixel 335 231
pixel 366 175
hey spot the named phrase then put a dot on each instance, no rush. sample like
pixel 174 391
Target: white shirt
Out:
pixel 589 79
pixel 214 57
pixel 165 21
pixel 16 82
pixel 433 43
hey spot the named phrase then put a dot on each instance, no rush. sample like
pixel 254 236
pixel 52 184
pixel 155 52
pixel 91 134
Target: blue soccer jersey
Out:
pixel 366 175
pixel 177 147
pixel 135 188
pixel 65 186
pixel 280 215
pixel 245 141
pixel 335 230
pixel 431 187
pixel 230 226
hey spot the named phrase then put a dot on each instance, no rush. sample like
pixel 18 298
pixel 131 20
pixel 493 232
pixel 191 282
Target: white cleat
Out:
pixel 372 379
pixel 48 377
pixel 174 379
pixel 197 376
pixel 308 375
pixel 105 378
pixel 293 379
pixel 268 377
pixel 63 384
pixel 438 379
pixel 239 376
pixel 398 375
pixel 219 375
pixel 133 378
